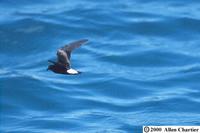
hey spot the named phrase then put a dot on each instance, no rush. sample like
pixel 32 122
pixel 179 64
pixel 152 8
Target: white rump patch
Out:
pixel 72 71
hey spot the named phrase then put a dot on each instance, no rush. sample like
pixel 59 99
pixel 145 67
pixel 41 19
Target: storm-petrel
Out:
pixel 63 65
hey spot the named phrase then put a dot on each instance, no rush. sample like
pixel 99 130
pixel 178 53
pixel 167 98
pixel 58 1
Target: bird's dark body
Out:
pixel 57 69
pixel 60 69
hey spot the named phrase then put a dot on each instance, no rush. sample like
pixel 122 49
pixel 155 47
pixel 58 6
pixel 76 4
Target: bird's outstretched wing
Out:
pixel 64 53
pixel 73 45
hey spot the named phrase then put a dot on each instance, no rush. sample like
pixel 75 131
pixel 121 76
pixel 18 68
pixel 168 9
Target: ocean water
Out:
pixel 140 67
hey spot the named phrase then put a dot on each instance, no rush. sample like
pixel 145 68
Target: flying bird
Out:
pixel 63 65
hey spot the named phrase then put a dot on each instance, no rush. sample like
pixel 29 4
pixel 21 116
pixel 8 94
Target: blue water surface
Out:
pixel 140 67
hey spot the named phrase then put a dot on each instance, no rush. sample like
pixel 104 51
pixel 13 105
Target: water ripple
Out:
pixel 140 67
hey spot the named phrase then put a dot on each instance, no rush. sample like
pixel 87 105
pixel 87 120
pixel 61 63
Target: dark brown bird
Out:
pixel 63 65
